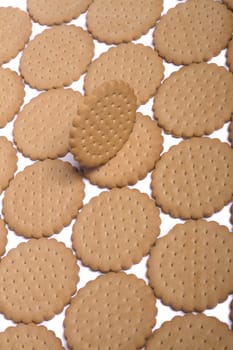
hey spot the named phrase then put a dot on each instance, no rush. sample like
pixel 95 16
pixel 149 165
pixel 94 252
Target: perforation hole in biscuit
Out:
pixel 134 160
pixel 201 164
pixel 115 21
pixel 13 20
pixel 42 128
pixel 210 26
pixel 115 229
pixel 43 198
pixel 43 277
pixel 118 308
pixel 179 266
pixel 138 65
pixel 199 331
pixel 29 336
pixel 56 11
pixel 183 112
pixel 43 61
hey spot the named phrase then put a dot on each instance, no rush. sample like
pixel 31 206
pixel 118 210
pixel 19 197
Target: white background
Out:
pixel 223 217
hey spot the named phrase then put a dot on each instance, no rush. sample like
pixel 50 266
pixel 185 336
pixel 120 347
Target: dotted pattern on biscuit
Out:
pixel 193 31
pixel 194 178
pixel 51 12
pixel 3 237
pixel 56 57
pixel 114 21
pixel 190 268
pixel 116 229
pixel 8 162
pixel 29 337
pixel 194 101
pixel 136 158
pixel 11 95
pixel 103 124
pixel 192 332
pixel 43 198
pixel 42 128
pixel 116 310
pixel 15 31
pixel 138 65
pixel 37 279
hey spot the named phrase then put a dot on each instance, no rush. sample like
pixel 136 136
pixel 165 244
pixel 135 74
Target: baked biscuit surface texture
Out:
pixel 8 162
pixel 193 31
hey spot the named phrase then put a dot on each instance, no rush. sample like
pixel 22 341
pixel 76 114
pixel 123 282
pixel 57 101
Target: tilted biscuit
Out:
pixel 56 57
pixel 114 21
pixel 135 160
pixel 194 178
pixel 43 198
pixel 192 332
pixel 116 229
pixel 115 311
pixel 190 268
pixel 42 128
pixel 103 123
pixel 37 280
pixel 193 31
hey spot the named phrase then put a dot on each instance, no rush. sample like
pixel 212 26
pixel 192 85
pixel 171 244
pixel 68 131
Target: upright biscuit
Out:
pixel 37 279
pixel 42 128
pixel 193 31
pixel 3 237
pixel 192 332
pixel 103 123
pixel 230 55
pixel 116 229
pixel 229 3
pixel 56 57
pixel 194 178
pixel 12 95
pixel 137 65
pixel 29 337
pixel 115 311
pixel 194 101
pixel 191 267
pixel 43 198
pixel 56 11
pixel 8 162
pixel 15 31
pixel 136 158
pixel 115 22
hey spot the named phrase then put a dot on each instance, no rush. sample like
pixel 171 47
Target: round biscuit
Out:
pixel 193 31
pixel 42 128
pixel 8 162
pixel 43 198
pixel 195 100
pixel 15 31
pixel 115 311
pixel 29 337
pixel 56 57
pixel 116 229
pixel 191 332
pixel 3 237
pixel 138 65
pixel 51 12
pixel 134 160
pixel 191 268
pixel 11 96
pixel 194 178
pixel 115 22
pixel 37 280
pixel 103 124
